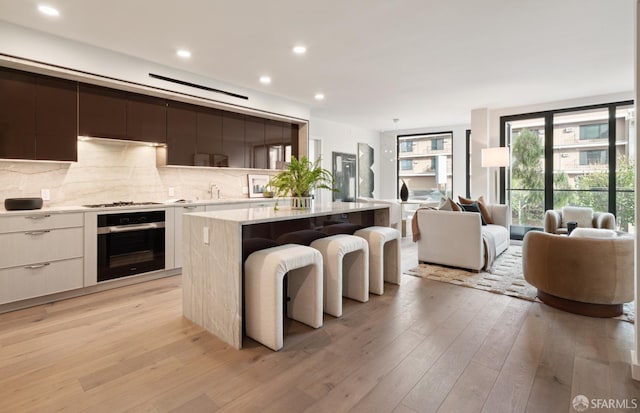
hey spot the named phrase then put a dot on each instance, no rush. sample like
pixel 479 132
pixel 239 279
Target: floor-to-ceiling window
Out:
pixel 425 164
pixel 625 145
pixel 526 180
pixel 579 156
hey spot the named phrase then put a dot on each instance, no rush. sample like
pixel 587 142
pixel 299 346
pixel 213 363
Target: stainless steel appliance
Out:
pixel 130 243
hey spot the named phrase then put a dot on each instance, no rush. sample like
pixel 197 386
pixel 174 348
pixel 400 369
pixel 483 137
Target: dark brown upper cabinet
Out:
pixel 288 138
pixel 102 112
pixel 209 142
pixel 181 134
pixel 254 139
pixel 38 117
pixel 17 115
pixel 56 119
pixel 233 139
pixel 112 113
pixel 146 118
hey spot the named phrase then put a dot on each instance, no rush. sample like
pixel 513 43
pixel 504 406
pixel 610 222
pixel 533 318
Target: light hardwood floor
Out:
pixel 422 347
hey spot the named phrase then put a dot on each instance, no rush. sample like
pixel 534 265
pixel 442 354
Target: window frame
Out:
pixel 548 154
pixel 599 134
pixel 430 136
pixel 588 158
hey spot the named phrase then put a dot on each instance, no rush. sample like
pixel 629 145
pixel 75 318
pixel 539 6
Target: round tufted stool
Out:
pixel 346 270
pixel 384 256
pixel 263 293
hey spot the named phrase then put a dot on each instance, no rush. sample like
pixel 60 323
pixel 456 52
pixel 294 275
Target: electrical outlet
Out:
pixel 172 191
pixel 45 194
pixel 245 190
pixel 205 235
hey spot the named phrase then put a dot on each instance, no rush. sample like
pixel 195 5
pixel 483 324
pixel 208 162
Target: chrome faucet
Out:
pixel 213 187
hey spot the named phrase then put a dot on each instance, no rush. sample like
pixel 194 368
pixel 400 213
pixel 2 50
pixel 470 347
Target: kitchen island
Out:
pixel 212 267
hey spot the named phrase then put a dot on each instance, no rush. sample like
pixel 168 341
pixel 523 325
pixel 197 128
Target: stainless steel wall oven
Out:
pixel 130 243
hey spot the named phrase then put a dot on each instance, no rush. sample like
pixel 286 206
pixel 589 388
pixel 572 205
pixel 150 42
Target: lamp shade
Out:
pixel 495 157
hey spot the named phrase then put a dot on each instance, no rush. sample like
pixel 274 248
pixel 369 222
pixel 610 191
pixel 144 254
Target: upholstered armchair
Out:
pixel 590 274
pixel 555 221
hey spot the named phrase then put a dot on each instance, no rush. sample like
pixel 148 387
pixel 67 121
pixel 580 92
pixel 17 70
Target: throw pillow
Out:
pixel 481 204
pixel 583 216
pixel 473 207
pixel 447 204
pixel 593 233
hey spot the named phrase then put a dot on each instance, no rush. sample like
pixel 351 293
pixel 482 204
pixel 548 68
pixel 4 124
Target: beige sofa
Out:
pixel 583 275
pixel 458 239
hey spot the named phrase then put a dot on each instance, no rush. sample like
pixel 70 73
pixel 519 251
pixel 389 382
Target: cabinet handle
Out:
pixel 38 216
pixel 190 207
pixel 37 232
pixel 36 266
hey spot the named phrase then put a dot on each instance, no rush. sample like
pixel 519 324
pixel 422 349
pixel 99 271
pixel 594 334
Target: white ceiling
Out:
pixel 425 62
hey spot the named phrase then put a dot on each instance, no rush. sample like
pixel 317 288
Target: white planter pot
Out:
pixel 301 202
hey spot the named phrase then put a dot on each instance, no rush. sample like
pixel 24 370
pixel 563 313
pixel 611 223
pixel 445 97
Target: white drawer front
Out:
pixel 20 283
pixel 40 220
pixel 31 247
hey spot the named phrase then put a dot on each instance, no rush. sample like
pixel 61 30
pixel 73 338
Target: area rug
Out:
pixel 504 277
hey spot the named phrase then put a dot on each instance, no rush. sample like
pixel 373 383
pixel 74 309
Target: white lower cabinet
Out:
pixel 28 247
pixel 41 254
pixel 42 278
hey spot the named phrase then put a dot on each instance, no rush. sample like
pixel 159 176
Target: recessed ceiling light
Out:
pixel 319 96
pixel 48 10
pixel 184 53
pixel 265 79
pixel 299 50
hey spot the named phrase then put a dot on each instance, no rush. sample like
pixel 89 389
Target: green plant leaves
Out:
pixel 300 178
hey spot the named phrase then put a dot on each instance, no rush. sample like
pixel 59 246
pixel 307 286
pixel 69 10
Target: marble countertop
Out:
pixel 79 208
pixel 283 213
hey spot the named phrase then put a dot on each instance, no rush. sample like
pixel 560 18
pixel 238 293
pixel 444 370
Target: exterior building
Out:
pixel 425 164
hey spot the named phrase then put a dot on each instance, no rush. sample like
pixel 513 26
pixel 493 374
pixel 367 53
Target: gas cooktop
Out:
pixel 121 204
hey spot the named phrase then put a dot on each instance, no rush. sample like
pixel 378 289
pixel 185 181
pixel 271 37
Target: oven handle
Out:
pixel 129 228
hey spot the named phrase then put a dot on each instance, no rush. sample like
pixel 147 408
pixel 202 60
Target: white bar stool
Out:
pixel 384 256
pixel 264 272
pixel 346 270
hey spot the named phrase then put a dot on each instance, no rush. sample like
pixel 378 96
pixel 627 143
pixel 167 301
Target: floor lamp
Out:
pixel 495 158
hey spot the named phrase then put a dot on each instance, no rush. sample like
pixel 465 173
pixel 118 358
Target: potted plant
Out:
pixel 299 179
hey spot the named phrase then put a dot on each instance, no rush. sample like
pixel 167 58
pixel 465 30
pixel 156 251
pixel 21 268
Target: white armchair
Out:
pixel 555 220
pixel 459 239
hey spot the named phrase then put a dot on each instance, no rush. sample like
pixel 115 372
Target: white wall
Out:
pixel 29 44
pixel 340 137
pixel 389 167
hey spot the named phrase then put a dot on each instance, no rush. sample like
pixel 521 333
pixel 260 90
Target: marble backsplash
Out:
pixel 109 171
